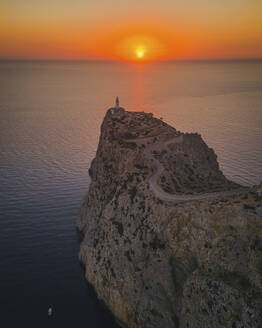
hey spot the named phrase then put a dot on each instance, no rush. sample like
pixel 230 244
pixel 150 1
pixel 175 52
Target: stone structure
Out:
pixel 117 103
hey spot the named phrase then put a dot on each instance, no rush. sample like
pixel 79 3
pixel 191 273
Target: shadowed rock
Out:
pixel 168 240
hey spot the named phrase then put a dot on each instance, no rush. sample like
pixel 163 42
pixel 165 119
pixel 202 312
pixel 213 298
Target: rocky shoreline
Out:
pixel 168 240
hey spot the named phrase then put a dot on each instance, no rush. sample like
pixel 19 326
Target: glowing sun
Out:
pixel 140 53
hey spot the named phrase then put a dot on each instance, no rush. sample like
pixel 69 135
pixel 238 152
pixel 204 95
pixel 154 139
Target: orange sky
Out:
pixel 114 29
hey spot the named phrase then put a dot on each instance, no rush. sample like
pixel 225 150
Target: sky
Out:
pixel 128 30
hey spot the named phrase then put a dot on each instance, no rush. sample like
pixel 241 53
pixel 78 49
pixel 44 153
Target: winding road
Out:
pixel 161 194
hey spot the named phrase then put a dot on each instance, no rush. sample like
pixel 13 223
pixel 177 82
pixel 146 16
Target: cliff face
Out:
pixel 168 240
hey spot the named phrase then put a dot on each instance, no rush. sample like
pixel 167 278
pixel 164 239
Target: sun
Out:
pixel 140 53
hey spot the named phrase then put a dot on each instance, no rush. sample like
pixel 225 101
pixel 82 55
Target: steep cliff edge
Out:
pixel 168 240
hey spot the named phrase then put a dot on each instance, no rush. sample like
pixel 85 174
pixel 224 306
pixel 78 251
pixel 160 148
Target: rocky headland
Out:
pixel 168 240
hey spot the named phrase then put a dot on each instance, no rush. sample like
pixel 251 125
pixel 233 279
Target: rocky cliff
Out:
pixel 168 240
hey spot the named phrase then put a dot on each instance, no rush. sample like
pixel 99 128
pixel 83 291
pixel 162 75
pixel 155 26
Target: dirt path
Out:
pixel 161 194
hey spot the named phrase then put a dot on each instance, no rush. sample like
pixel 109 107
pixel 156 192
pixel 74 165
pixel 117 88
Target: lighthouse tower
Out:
pixel 117 103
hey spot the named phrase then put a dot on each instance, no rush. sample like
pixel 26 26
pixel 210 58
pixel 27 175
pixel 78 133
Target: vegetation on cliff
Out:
pixel 168 240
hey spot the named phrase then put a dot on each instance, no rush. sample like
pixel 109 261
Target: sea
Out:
pixel 50 118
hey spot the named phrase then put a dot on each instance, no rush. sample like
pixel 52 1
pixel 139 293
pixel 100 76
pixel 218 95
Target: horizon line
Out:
pixel 62 60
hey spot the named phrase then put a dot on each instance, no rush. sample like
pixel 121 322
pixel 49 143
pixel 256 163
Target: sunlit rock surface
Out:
pixel 168 240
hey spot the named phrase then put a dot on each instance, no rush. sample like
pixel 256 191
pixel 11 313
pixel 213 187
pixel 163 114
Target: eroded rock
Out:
pixel 158 263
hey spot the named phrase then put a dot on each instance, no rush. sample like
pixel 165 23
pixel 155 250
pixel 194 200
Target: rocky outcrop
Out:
pixel 159 261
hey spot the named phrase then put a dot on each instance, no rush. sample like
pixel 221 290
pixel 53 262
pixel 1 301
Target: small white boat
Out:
pixel 50 311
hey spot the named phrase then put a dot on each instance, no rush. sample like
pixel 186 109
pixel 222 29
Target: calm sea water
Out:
pixel 49 129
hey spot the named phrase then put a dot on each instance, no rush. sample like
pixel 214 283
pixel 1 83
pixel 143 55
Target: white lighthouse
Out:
pixel 117 103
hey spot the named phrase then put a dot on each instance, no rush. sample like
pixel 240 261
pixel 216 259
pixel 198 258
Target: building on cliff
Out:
pixel 116 108
pixel 117 103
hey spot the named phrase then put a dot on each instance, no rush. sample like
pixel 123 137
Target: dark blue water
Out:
pixel 50 116
pixel 39 266
pixel 43 178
